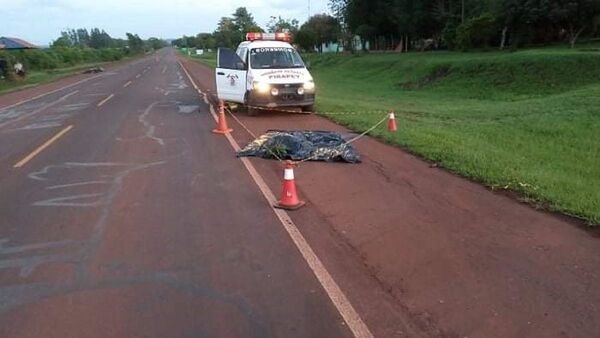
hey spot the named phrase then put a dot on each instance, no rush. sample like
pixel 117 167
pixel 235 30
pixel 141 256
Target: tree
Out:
pixel 99 39
pixel 244 21
pixel 155 43
pixel 135 43
pixel 575 16
pixel 62 41
pixel 306 38
pixel 205 41
pixel 278 24
pixel 323 28
pixel 227 33
pixel 83 37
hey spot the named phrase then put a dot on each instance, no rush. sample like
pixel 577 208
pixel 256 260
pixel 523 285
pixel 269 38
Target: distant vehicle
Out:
pixel 264 72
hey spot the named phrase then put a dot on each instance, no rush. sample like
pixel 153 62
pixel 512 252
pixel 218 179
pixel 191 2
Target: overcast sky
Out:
pixel 40 21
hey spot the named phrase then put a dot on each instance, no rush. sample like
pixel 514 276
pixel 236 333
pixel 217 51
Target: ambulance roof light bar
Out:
pixel 268 36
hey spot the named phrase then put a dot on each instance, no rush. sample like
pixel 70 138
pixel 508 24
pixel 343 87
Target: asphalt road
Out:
pixel 122 215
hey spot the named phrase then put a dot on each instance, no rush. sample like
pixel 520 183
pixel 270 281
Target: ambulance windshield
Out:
pixel 275 58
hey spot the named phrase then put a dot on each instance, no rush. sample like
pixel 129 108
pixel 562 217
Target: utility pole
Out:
pixel 309 9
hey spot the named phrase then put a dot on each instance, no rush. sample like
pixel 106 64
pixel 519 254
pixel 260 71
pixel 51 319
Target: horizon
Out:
pixel 172 21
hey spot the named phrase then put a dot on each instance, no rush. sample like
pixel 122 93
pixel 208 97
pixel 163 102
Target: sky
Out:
pixel 41 21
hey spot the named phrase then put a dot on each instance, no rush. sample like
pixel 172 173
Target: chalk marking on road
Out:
pixel 39 110
pixel 40 125
pixel 50 92
pixel 78 184
pixel 355 323
pixel 71 201
pixel 42 147
pixel 126 84
pixel 138 76
pixel 28 264
pixel 164 70
pixel 150 128
pixel 105 100
pixel 37 175
pixel 6 250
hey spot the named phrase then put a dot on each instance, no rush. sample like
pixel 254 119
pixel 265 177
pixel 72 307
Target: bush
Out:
pixel 46 59
pixel 475 32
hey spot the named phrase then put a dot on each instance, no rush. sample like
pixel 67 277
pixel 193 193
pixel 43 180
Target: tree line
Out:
pixel 231 30
pixel 75 47
pixel 404 25
pixel 465 24
pixel 97 38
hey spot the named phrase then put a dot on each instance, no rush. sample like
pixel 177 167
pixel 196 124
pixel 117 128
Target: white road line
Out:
pixel 44 107
pixel 351 317
pixel 164 70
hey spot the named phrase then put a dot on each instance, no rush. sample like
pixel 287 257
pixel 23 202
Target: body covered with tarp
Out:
pixel 301 145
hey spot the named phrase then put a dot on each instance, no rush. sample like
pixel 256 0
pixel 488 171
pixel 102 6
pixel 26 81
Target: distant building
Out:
pixel 338 46
pixel 14 43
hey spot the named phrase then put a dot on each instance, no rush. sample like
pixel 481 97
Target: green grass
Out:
pixel 35 78
pixel 527 121
pixel 209 59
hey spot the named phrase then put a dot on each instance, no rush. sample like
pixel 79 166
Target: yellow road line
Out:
pixel 42 147
pixel 126 84
pixel 106 100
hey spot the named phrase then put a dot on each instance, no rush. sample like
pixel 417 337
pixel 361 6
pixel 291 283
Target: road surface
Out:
pixel 122 215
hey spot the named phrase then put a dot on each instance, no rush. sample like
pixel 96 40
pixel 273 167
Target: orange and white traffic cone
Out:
pixel 392 123
pixel 289 197
pixel 222 122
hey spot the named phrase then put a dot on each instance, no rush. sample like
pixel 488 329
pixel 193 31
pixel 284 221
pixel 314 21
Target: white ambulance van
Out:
pixel 264 72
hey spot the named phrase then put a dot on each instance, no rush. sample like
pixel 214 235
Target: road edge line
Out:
pixel 355 323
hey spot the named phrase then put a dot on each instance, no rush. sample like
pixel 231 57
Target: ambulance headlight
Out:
pixel 261 87
pixel 300 90
pixel 309 86
pixel 274 91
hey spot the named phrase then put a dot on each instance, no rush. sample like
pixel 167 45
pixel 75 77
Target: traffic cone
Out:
pixel 392 123
pixel 222 123
pixel 289 198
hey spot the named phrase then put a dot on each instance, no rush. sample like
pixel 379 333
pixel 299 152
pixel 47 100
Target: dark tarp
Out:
pixel 300 145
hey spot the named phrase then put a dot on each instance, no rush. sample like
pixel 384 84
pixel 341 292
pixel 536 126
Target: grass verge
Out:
pixel 527 122
pixel 37 77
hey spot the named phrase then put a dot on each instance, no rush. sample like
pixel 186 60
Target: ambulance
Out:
pixel 265 72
